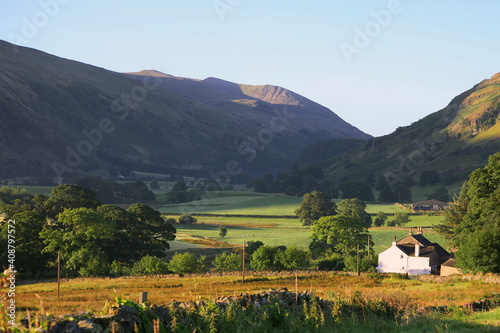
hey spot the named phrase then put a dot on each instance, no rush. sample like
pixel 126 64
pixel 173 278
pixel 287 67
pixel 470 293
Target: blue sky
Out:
pixel 377 64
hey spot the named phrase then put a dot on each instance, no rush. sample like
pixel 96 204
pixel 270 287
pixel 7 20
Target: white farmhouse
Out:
pixel 412 255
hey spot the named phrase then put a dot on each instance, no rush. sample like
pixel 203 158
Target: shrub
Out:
pixel 334 262
pixel 228 263
pixel 187 263
pixel 187 219
pixel 149 265
pixel 267 258
pixel 222 231
pixel 252 246
pixel 380 219
pixel 295 258
pixel 116 269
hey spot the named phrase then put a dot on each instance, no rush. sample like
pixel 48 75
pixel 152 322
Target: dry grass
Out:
pixel 79 295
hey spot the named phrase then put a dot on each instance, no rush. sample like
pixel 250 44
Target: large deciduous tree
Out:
pixel 354 208
pixel 80 235
pixel 314 206
pixel 341 233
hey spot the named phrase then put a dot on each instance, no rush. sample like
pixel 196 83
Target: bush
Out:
pixel 267 258
pixel 334 262
pixel 295 258
pixel 149 265
pixel 399 220
pixel 187 263
pixel 228 263
pixel 252 246
pixel 380 219
pixel 222 231
pixel 116 269
pixel 187 219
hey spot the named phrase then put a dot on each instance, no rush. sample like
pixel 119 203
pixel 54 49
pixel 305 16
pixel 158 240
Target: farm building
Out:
pixel 430 205
pixel 448 268
pixel 413 255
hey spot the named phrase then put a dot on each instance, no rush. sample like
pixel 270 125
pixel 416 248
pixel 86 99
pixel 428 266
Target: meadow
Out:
pixel 91 295
pixel 243 227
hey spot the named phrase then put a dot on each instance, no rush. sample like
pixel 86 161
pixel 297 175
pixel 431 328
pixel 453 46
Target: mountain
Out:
pixel 63 118
pixel 453 141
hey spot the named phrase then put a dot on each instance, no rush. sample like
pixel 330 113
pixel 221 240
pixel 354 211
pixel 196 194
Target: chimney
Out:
pixel 410 232
pixel 417 250
pixel 419 232
pixel 394 243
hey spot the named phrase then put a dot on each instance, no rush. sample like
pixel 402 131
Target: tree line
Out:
pixel 88 235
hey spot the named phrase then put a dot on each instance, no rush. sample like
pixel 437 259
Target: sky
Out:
pixel 377 64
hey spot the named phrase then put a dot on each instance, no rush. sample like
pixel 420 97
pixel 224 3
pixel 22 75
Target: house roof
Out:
pixel 431 203
pixel 409 250
pixel 449 263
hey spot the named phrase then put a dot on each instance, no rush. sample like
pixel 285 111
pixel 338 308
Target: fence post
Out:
pixel 143 297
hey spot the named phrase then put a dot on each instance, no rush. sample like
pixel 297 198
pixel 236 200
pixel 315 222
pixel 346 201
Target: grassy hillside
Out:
pixel 88 120
pixel 453 141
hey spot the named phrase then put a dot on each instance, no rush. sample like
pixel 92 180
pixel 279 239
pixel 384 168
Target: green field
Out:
pixel 252 203
pixel 286 232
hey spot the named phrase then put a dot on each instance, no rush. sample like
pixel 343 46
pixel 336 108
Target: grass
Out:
pixel 240 203
pixel 291 232
pixel 79 295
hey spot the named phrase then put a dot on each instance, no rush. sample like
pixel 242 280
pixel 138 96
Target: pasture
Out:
pixel 91 295
pixel 253 203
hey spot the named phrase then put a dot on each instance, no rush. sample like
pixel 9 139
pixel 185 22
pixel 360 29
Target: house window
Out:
pixel 401 257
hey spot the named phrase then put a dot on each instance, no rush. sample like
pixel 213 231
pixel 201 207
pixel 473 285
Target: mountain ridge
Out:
pixel 450 141
pixel 52 110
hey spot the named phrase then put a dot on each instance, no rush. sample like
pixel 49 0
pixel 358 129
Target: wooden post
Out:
pixel 357 262
pixel 243 270
pixel 296 289
pixel 369 256
pixel 143 297
pixel 58 271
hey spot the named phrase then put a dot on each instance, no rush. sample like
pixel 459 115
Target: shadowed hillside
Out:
pixel 63 118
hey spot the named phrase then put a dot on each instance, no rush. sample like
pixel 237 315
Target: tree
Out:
pixel 228 263
pixel 252 246
pixel 295 258
pixel 80 235
pixel 477 234
pixel 186 263
pixel 455 215
pixel 429 178
pixel 353 189
pixel 399 193
pixel 187 219
pixel 341 233
pixel 28 244
pixel 354 208
pixel 222 231
pixel 150 265
pixel 267 258
pixel 440 193
pixel 180 186
pixel 154 185
pixel 260 186
pixel 314 206
pixel 380 219
pixel 398 220
pixel 132 239
pixel 69 197
pixel 156 232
